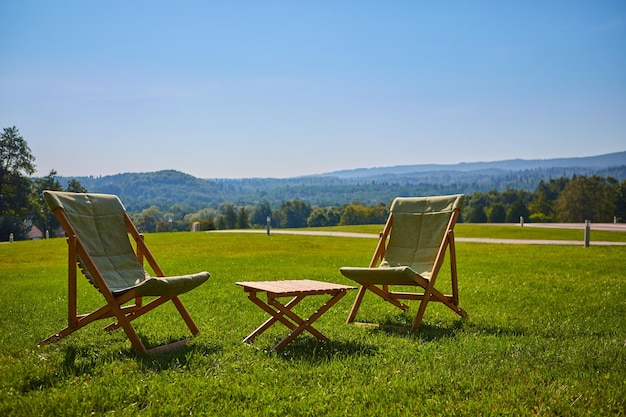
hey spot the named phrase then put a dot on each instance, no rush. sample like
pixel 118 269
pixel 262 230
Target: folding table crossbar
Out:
pixel 283 312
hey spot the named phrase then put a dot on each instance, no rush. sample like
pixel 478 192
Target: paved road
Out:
pixel 458 239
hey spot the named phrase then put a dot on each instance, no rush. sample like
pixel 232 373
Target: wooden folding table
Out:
pixel 298 290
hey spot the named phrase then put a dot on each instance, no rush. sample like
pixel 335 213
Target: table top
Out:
pixel 294 286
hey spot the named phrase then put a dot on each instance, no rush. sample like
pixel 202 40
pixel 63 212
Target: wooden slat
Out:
pixel 294 287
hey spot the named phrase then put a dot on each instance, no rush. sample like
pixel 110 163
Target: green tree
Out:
pixel 163 226
pixel 41 215
pixel 74 186
pixel 261 213
pixel 318 218
pixel 588 198
pixel 147 220
pixel 333 215
pixel 16 164
pixel 541 208
pixel 474 210
pixel 497 213
pixel 477 215
pixel 353 214
pixel 517 210
pixel 620 202
pixel 324 216
pixel 542 204
pixel 243 221
pixel 377 214
pixel 207 224
pixel 205 214
pixel 294 213
pixel 230 215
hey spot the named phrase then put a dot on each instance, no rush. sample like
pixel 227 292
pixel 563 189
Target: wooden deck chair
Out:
pixel 97 229
pixel 410 252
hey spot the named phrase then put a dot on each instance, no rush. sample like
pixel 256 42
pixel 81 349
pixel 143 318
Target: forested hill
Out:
pixel 369 186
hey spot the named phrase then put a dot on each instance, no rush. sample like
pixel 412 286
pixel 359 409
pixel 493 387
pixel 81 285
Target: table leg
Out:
pixel 301 323
pixel 275 316
pixel 306 324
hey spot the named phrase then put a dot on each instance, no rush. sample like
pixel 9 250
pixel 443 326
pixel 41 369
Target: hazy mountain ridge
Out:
pixel 598 161
pixel 368 185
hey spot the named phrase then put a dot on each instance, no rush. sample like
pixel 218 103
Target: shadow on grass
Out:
pixel 78 360
pixel 425 333
pixel 176 358
pixel 400 326
pixel 310 350
pixel 493 330
pixel 75 360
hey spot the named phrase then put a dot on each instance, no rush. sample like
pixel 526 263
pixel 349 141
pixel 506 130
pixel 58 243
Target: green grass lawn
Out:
pixel 545 335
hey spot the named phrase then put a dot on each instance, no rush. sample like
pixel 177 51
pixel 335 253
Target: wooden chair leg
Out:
pixel 185 314
pixel 420 313
pixel 356 304
pixel 129 330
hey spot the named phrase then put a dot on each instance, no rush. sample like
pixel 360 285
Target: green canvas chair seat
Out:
pixel 399 275
pixel 410 252
pixel 98 229
pixel 176 285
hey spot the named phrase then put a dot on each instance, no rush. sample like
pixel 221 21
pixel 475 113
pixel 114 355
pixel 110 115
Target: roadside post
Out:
pixel 587 232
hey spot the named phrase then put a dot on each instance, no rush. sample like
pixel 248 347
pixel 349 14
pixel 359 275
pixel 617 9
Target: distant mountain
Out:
pixel 169 189
pixel 595 162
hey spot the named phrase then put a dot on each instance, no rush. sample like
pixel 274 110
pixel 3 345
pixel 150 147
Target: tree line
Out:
pixel 561 200
pixel 290 214
pixel 566 199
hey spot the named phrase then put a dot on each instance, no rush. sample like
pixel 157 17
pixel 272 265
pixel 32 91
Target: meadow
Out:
pixel 545 334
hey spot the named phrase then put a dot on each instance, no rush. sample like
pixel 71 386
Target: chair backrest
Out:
pixel 99 222
pixel 418 228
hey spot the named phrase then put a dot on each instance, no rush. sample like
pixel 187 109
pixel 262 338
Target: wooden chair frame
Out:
pixel 115 306
pixel 428 285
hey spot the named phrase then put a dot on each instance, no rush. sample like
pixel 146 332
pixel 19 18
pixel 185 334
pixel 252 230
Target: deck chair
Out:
pixel 97 229
pixel 410 253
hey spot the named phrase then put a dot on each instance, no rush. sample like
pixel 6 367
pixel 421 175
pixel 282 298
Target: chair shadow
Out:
pixel 84 360
pixel 495 330
pixel 399 326
pixel 308 349
pixel 425 333
pixel 174 358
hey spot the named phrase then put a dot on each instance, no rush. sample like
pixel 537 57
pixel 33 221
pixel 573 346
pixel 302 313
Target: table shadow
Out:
pixel 309 349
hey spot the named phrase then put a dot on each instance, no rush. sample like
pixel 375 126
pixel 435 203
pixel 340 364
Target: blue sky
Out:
pixel 286 88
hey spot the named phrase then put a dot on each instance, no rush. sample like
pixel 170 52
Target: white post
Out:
pixel 10 237
pixel 521 221
pixel 269 222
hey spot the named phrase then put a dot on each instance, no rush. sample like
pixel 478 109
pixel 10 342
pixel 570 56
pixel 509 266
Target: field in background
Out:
pixel 545 334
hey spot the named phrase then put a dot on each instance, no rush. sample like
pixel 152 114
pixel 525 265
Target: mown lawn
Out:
pixel 545 335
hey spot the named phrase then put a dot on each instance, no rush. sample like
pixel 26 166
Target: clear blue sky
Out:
pixel 233 89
